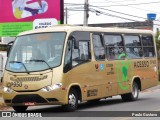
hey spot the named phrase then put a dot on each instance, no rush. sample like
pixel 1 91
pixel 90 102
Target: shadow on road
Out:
pixel 86 105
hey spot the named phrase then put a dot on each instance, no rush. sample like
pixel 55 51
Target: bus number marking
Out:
pixel 14 84
pixel 141 64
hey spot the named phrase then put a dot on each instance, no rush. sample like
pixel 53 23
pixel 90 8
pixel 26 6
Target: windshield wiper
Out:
pixel 36 60
pixel 21 63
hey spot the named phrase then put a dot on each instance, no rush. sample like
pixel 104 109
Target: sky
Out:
pixel 139 11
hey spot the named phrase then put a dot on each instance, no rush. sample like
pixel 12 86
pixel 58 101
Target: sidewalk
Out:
pixel 2 105
pixel 1 100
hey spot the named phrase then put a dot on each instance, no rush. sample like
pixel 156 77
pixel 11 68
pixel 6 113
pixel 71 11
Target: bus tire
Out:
pixel 20 108
pixel 133 96
pixel 72 101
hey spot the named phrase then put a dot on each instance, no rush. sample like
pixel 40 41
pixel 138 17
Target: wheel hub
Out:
pixel 135 91
pixel 72 99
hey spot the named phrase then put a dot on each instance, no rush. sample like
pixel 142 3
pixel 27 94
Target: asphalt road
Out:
pixel 149 100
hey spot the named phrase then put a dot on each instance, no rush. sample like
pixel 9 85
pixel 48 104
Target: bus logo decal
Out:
pixel 101 66
pixel 26 86
pixel 96 66
pixel 124 73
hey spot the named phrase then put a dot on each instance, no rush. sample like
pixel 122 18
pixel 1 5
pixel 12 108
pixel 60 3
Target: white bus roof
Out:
pixel 67 28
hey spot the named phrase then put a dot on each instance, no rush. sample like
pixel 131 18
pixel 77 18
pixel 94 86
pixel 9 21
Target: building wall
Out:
pixel 148 25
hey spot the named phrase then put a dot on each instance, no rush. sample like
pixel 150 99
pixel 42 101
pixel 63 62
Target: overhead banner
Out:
pixel 18 15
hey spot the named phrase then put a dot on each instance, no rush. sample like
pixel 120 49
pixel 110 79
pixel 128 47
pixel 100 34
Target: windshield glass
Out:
pixel 36 52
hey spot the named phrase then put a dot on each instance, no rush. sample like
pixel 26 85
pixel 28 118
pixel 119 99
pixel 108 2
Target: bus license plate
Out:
pixel 29 103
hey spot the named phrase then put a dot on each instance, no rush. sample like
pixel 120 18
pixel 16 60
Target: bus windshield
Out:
pixel 36 52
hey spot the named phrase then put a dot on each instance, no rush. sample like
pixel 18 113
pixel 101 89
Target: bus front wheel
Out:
pixel 133 96
pixel 72 101
pixel 20 108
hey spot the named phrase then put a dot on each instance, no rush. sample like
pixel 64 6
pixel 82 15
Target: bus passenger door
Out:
pixel 111 78
pixel 101 79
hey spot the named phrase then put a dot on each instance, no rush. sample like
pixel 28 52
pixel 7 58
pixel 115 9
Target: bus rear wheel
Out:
pixel 20 108
pixel 133 96
pixel 72 101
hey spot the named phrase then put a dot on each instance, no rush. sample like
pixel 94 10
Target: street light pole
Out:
pixel 86 14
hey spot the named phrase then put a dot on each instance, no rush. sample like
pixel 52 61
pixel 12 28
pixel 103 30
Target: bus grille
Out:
pixel 28 98
pixel 29 79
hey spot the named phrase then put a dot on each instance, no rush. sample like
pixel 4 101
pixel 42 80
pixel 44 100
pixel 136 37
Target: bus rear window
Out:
pixel 148 46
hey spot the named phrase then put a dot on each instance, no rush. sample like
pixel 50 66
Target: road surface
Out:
pixel 149 100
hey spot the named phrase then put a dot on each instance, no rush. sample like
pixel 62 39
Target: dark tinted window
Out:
pixel 147 40
pixel 133 46
pixel 148 46
pixel 114 47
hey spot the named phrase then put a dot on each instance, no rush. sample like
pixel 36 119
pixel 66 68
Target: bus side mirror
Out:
pixel 8 50
pixel 9 47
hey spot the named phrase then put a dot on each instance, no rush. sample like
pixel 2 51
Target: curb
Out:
pixel 2 104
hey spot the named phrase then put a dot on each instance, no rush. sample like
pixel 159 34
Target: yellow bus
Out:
pixel 63 65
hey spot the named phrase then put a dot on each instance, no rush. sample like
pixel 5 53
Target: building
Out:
pixel 147 25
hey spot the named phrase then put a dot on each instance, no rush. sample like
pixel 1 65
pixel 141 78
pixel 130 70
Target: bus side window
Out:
pixel 80 47
pixel 148 46
pixel 75 54
pixel 133 46
pixel 84 50
pixel 98 47
pixel 114 47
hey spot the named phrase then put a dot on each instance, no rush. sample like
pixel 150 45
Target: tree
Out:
pixel 156 39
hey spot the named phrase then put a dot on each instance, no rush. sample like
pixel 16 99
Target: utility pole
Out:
pixel 86 14
pixel 66 15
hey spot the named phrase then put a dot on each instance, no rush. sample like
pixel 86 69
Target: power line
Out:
pixel 124 0
pixel 111 15
pixel 135 7
pixel 117 12
pixel 131 4
pixel 75 7
pixel 72 4
pixel 108 14
pixel 115 1
pixel 75 10
pixel 121 13
pixel 143 9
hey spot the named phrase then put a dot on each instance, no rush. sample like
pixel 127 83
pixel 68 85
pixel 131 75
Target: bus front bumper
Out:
pixel 55 97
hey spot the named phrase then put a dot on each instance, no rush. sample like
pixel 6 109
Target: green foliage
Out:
pixel 156 39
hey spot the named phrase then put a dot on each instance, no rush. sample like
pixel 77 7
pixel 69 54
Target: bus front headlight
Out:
pixel 52 87
pixel 6 89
